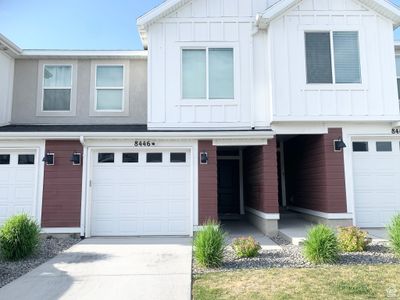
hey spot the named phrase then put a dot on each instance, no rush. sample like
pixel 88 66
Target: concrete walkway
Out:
pixel 294 229
pixel 112 268
pixel 242 228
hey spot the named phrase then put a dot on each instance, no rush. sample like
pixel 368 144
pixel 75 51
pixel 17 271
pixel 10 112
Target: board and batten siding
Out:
pixel 293 99
pixel 212 23
pixel 6 84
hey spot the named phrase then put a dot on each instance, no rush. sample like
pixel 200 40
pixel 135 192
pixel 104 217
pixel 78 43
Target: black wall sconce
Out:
pixel 339 145
pixel 49 159
pixel 204 158
pixel 76 159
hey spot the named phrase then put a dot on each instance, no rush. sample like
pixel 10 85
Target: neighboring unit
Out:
pixel 239 108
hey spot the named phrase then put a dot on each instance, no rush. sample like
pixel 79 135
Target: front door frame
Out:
pixel 241 183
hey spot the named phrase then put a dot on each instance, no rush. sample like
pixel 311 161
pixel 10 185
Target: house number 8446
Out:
pixel 144 144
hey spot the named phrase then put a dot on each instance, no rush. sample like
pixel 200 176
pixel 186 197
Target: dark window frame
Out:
pixel 104 161
pixel 379 145
pixel 127 160
pixel 151 157
pixel 30 159
pixel 180 157
pixel 355 149
pixel 5 162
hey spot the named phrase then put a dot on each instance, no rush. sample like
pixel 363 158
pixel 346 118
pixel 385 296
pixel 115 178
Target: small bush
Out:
pixel 19 237
pixel 394 234
pixel 246 247
pixel 352 239
pixel 209 244
pixel 321 245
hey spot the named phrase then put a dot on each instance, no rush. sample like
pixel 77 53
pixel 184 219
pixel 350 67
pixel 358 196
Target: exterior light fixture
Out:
pixel 339 145
pixel 204 158
pixel 49 159
pixel 76 159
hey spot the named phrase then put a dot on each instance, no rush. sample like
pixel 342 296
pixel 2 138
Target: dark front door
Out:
pixel 228 188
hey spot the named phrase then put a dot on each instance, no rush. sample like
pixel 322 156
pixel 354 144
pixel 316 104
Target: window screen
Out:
pixel 109 88
pixel 220 67
pixel 360 146
pixel 347 57
pixel 318 57
pixel 194 76
pixel 384 146
pixel 57 85
pixel 154 157
pixel 105 158
pixel 178 157
pixel 4 159
pixel 130 157
pixel 26 159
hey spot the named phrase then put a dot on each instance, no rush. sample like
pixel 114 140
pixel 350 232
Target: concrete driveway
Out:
pixel 111 268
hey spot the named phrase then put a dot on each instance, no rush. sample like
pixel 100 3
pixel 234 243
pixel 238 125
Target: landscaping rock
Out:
pixel 290 256
pixel 49 248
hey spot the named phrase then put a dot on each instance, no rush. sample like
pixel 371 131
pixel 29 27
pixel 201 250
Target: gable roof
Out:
pixel 164 9
pixel 383 7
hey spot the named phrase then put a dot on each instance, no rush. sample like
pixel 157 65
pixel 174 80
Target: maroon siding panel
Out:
pixel 261 178
pixel 208 194
pixel 315 173
pixel 62 186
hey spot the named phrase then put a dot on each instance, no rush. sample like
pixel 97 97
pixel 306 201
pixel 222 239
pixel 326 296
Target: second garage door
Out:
pixel 18 177
pixel 376 169
pixel 141 193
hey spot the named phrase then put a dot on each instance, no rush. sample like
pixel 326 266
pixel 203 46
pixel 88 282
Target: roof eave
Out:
pixel 9 47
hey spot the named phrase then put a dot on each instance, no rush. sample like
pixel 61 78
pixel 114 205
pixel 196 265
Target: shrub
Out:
pixel 352 239
pixel 321 245
pixel 394 234
pixel 246 247
pixel 209 244
pixel 19 237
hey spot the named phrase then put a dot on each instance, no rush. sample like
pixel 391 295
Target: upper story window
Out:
pixel 57 87
pixel 333 57
pixel 208 73
pixel 110 88
pixel 398 75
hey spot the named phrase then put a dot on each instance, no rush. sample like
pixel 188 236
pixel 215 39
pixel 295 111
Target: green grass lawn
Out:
pixel 336 282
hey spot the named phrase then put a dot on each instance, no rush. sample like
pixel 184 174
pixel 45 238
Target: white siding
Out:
pixel 208 23
pixel 293 99
pixel 6 85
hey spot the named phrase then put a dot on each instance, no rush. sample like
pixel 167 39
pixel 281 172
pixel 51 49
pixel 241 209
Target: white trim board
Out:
pixel 330 216
pixel 263 215
pixel 60 230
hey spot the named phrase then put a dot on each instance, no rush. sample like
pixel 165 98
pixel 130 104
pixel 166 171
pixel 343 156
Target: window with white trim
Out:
pixel 333 57
pixel 398 75
pixel 208 73
pixel 57 88
pixel 109 87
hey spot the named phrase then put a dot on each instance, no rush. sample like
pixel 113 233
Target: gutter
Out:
pixel 84 136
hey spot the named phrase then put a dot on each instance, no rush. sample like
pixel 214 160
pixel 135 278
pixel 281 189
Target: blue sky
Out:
pixel 76 24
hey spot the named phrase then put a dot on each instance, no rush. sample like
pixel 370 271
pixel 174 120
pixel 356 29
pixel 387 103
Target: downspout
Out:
pixel 84 186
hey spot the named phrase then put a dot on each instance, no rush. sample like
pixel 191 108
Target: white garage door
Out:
pixel 18 176
pixel 376 168
pixel 141 193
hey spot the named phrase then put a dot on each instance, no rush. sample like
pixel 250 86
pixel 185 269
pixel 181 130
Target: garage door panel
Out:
pixel 143 198
pixel 18 184
pixel 376 186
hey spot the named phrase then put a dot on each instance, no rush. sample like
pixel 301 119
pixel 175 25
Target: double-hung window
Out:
pixel 57 88
pixel 208 74
pixel 333 57
pixel 398 75
pixel 109 88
